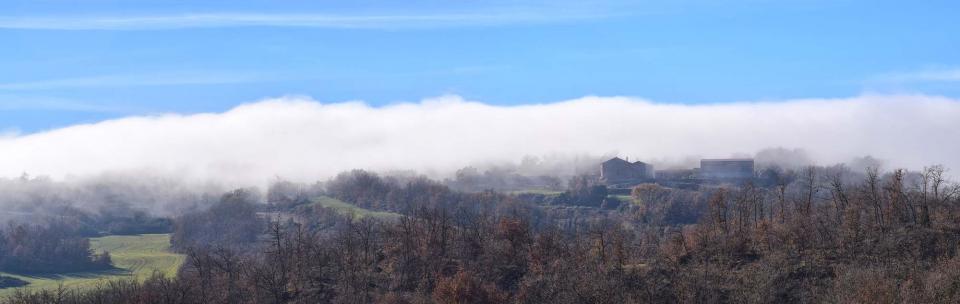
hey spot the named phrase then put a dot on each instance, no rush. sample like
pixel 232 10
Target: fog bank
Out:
pixel 299 138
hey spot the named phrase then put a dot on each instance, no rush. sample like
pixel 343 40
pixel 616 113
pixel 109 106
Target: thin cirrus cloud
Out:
pixel 341 21
pixel 154 79
pixel 14 103
pixel 929 75
pixel 301 139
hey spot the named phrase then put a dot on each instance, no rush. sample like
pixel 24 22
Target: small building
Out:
pixel 727 168
pixel 617 170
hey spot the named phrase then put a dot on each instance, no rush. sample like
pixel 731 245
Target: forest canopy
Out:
pixel 809 234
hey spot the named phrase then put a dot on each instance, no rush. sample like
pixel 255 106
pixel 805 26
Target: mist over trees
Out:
pixel 232 222
pixel 807 234
pixel 471 179
pixel 102 205
pixel 795 233
pixel 548 172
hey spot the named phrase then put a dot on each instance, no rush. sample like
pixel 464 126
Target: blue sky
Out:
pixel 70 62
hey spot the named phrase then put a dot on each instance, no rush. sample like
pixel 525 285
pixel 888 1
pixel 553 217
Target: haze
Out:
pixel 303 139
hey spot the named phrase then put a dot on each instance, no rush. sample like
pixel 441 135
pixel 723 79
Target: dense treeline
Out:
pixel 232 222
pixel 470 179
pixel 817 234
pixel 412 195
pixel 8 282
pixel 47 249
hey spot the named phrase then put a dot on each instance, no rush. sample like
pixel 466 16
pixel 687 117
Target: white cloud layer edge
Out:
pixel 301 139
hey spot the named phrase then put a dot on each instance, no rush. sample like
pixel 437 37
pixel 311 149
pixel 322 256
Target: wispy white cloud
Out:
pixel 217 20
pixel 18 102
pixel 154 79
pixel 302 139
pixel 929 75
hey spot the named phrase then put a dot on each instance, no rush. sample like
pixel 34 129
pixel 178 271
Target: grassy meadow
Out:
pixel 347 208
pixel 134 256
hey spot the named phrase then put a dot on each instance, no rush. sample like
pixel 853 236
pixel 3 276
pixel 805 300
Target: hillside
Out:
pixel 348 208
pixel 133 256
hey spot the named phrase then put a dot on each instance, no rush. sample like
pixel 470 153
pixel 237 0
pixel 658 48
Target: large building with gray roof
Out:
pixel 726 168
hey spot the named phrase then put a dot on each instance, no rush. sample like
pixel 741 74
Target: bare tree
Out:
pixel 810 188
pixel 870 191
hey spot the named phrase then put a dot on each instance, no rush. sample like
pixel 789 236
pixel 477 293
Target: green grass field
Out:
pixel 347 208
pixel 134 256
